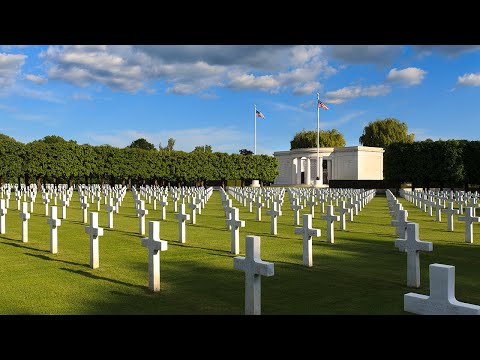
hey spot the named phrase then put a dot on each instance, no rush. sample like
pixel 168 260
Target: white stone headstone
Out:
pixel 258 205
pixel 141 212
pixel 401 223
pixel 412 245
pixel 330 218
pixel 274 213
pixel 154 246
pixel 254 267
pixel 469 219
pixel 442 299
pixel 84 205
pixel 110 209
pixel 307 232
pixel 94 231
pixel 24 215
pixel 235 224
pixel 54 223
pixel 181 216
pixel 450 212
pixel 3 213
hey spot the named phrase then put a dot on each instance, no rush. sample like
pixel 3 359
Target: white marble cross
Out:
pixel 312 204
pixel 330 218
pixel 258 205
pixel 353 208
pixel 54 222
pixel 296 211
pixel 412 245
pixel 98 198
pixel 163 204
pixel 63 203
pixel 235 224
pixel 110 209
pixel 193 212
pixel 181 216
pixel 450 212
pixel 24 215
pixel 250 201
pixel 438 209
pixel 154 246
pixel 254 267
pixel 84 205
pixel 442 299
pixel 45 201
pixel 274 213
pixel 343 209
pixel 18 197
pixel 95 231
pixel 3 213
pixel 469 219
pixel 307 232
pixel 31 198
pixel 401 223
pixel 175 202
pixel 141 211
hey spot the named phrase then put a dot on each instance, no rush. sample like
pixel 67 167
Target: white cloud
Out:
pixel 10 65
pixel 81 96
pixel 306 88
pixel 351 92
pixel 410 76
pixel 227 139
pixel 366 54
pixel 449 50
pixel 469 79
pixel 39 80
pixel 189 69
pixel 307 105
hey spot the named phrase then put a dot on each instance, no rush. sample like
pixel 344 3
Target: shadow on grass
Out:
pixel 197 247
pixel 96 277
pixel 43 257
pixel 24 246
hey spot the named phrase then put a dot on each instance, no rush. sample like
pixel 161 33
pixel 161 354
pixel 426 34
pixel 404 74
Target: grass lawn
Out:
pixel 362 273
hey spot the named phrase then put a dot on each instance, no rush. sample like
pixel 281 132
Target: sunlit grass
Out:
pixel 362 273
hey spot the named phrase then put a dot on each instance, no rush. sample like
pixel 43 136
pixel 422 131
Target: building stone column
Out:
pixel 321 169
pixel 307 171
pixel 329 169
pixel 294 171
pixel 299 171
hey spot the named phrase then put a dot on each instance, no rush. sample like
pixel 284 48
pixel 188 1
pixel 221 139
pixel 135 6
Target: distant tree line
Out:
pixel 55 160
pixel 425 164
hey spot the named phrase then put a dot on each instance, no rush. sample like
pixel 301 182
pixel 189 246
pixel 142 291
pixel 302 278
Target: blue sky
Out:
pixel 204 95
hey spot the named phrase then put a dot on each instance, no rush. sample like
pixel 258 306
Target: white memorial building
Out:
pixel 299 166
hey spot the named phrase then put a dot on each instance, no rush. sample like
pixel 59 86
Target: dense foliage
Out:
pixel 60 161
pixel 450 163
pixel 308 139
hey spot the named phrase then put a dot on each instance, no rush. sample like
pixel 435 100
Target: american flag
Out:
pixel 322 105
pixel 259 114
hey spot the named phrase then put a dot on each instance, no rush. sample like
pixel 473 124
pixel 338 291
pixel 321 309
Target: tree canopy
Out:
pixel 382 133
pixel 245 152
pixel 59 161
pixel 203 149
pixel 141 144
pixel 308 139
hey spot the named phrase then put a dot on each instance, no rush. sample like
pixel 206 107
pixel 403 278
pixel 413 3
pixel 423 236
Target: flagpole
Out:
pixel 318 137
pixel 255 131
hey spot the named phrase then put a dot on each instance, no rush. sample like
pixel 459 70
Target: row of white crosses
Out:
pixel 435 202
pixel 441 300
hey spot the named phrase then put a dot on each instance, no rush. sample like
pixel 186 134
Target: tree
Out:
pixel 170 144
pixel 53 139
pixel 203 149
pixel 141 144
pixel 245 152
pixel 308 139
pixel 382 133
